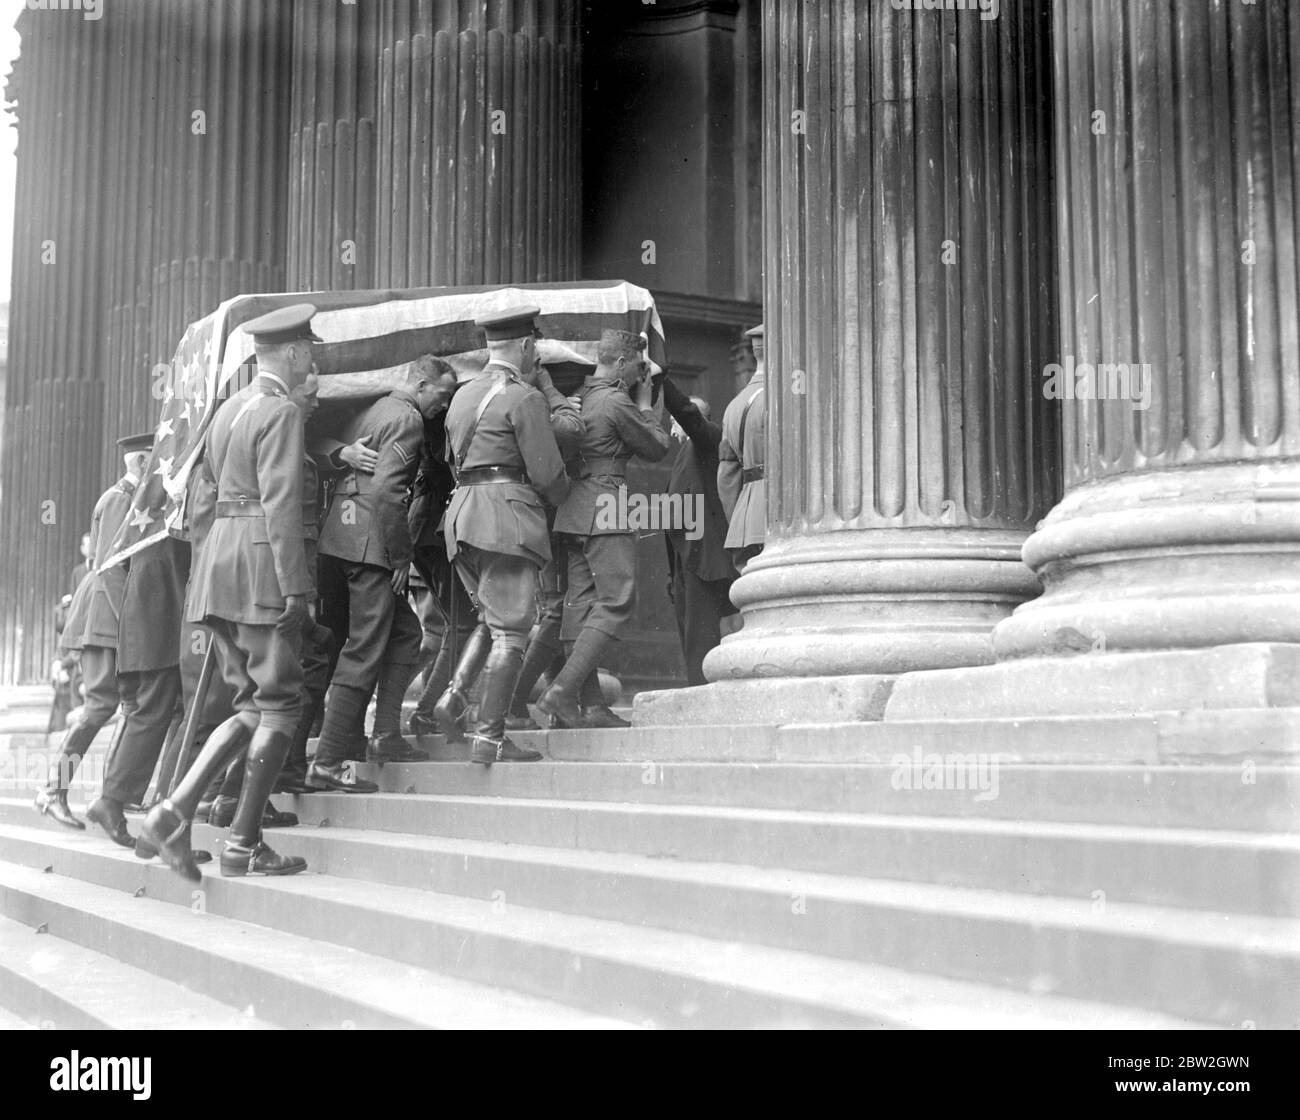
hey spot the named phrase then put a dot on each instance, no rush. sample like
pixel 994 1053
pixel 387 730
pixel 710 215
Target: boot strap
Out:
pixel 498 745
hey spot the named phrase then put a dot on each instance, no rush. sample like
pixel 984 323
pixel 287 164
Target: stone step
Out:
pixel 1239 872
pixel 291 980
pixel 1227 969
pixel 11 1022
pixel 1262 799
pixel 63 986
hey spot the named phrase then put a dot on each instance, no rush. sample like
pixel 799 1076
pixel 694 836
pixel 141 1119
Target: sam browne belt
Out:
pixel 481 476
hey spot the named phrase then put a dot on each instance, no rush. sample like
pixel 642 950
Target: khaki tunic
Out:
pixel 745 503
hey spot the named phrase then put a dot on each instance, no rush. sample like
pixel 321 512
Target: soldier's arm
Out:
pixel 528 416
pixel 639 429
pixel 566 422
pixel 399 441
pixel 699 430
pixel 280 449
pixel 200 502
pixel 728 476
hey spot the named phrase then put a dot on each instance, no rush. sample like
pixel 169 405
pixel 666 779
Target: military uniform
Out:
pixel 741 457
pixel 602 552
pixel 508 468
pixel 367 533
pixel 248 567
pixel 700 569
pixel 91 628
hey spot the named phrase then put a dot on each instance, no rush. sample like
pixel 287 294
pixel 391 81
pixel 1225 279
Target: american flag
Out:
pixel 368 337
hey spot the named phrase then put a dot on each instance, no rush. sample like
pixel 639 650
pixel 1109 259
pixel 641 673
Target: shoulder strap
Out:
pixel 468 439
pixel 744 418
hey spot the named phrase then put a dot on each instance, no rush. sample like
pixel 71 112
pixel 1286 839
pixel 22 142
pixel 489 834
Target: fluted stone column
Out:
pixel 436 142
pixel 1172 565
pixel 908 307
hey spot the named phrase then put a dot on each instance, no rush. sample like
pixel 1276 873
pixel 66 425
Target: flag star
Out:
pixel 165 429
pixel 140 519
pixel 165 467
pixel 185 412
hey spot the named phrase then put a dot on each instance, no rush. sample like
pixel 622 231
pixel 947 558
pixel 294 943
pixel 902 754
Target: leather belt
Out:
pixel 481 476
pixel 240 507
pixel 615 465
pixel 751 474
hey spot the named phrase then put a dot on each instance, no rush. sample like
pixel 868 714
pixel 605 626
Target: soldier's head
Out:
pixel 431 381
pixel 755 335
pixel 511 337
pixel 135 453
pixel 620 355
pixel 306 395
pixel 282 341
pixel 85 546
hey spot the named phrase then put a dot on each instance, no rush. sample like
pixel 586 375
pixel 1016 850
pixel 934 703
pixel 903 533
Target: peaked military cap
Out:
pixel 141 442
pixel 755 332
pixel 285 324
pixel 514 322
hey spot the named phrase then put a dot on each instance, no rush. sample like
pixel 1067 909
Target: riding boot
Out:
pixel 451 706
pixel 499 679
pixel 560 701
pixel 543 648
pixel 422 719
pixel 245 852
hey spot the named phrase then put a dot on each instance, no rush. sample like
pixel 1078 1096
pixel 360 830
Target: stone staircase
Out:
pixel 619 883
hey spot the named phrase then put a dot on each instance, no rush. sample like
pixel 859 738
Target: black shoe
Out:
pixel 450 711
pixel 290 781
pixel 277 818
pixel 601 715
pixel 109 816
pixel 237 861
pixel 335 778
pixel 54 803
pixel 561 707
pixel 422 724
pixel 393 748
pixel 169 833
pixel 222 813
pixel 487 751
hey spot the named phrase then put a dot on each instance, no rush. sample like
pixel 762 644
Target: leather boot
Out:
pixel 220 750
pixel 595 712
pixel 52 801
pixel 543 648
pixel 246 853
pixel 451 706
pixel 490 743
pixel 422 720
pixel 560 701
pixel 108 814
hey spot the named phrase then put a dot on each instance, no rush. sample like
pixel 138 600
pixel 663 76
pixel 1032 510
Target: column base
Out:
pixel 1248 676
pixel 848 699
pixel 873 601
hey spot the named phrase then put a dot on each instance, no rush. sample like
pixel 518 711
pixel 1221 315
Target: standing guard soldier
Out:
pixel 92 628
pixel 366 530
pixel 741 456
pixel 251 586
pixel 602 552
pixel 507 465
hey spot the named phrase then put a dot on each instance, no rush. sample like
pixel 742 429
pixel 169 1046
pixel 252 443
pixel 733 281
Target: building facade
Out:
pixel 1028 271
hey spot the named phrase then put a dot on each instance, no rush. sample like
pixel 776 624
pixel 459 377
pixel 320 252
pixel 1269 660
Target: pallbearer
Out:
pixel 620 422
pixel 92 628
pixel 251 586
pixel 507 466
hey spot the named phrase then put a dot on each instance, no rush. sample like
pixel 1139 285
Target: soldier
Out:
pixel 620 421
pixel 251 587
pixel 507 466
pixel 452 704
pixel 149 678
pixel 92 628
pixel 366 529
pixel 740 462
pixel 701 572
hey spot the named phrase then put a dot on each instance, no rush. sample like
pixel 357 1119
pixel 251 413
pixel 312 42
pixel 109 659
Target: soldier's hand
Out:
pixel 295 610
pixel 576 402
pixel 360 457
pixel 544 382
pixel 643 394
pixel 401 577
